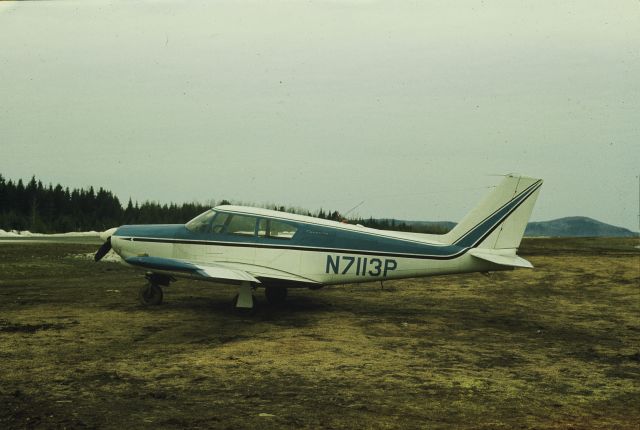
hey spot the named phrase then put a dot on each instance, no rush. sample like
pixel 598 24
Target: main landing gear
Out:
pixel 244 301
pixel 275 295
pixel 151 294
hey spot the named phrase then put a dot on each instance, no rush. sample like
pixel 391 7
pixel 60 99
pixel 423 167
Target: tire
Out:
pixel 150 295
pixel 275 295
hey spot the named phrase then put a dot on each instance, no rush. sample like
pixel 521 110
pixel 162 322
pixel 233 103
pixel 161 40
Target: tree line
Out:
pixel 56 209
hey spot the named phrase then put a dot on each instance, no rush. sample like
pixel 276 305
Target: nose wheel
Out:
pixel 150 295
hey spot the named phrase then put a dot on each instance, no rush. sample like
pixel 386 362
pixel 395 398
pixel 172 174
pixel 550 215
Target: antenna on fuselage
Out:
pixel 344 215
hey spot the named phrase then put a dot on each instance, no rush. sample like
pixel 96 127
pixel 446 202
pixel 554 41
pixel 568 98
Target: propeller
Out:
pixel 106 246
pixel 102 251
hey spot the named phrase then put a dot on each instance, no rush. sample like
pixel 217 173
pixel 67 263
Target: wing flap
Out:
pixel 508 258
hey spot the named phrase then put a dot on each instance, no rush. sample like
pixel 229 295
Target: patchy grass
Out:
pixel 556 347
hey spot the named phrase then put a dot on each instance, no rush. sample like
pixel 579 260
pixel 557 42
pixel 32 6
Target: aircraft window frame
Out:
pixel 219 223
pixel 265 229
pixel 230 224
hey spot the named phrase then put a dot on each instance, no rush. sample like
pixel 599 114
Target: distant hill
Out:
pixel 576 226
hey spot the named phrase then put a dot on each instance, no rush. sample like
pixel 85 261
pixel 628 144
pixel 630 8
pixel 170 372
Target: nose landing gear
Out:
pixel 151 294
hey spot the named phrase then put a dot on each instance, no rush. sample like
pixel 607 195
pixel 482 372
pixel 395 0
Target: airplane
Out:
pixel 260 248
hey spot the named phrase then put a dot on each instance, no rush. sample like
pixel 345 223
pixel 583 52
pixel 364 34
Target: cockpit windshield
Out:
pixel 201 223
pixel 214 222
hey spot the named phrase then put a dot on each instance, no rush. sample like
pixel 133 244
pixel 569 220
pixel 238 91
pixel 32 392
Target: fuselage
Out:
pixel 279 246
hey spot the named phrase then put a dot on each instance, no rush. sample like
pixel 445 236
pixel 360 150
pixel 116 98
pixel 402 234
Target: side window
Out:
pixel 242 225
pixel 219 222
pixel 281 230
pixel 274 229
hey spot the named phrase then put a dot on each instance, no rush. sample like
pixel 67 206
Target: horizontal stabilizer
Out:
pixel 508 258
pixel 209 271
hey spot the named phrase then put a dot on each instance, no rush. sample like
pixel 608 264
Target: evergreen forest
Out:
pixel 57 209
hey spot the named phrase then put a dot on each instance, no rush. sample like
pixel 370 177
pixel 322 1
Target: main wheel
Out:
pixel 275 295
pixel 150 295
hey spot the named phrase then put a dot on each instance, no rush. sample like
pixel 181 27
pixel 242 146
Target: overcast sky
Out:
pixel 410 107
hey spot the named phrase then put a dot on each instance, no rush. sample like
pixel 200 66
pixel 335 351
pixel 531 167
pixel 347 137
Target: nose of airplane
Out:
pixel 106 246
pixel 107 233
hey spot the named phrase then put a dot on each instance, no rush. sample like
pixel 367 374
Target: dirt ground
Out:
pixel 557 347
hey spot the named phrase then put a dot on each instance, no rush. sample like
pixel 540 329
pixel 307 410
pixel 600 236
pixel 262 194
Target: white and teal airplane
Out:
pixel 253 247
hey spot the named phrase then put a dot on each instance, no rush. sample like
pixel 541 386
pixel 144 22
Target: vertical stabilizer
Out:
pixel 500 219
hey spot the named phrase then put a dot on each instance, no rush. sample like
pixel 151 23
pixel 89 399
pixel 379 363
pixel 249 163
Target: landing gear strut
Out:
pixel 244 302
pixel 151 294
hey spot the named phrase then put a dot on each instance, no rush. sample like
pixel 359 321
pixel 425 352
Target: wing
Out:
pixel 210 272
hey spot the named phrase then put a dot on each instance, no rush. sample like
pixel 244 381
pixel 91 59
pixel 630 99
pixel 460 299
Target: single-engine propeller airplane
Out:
pixel 254 247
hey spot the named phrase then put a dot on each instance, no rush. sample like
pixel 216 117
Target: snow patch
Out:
pixel 11 233
pixel 27 233
pixel 110 256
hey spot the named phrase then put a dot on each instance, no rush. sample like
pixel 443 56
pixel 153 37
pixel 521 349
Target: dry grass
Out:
pixel 557 347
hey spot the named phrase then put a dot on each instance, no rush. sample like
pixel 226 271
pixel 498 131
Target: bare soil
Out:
pixel 557 347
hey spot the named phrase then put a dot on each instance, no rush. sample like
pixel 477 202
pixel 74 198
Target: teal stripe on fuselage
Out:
pixel 309 237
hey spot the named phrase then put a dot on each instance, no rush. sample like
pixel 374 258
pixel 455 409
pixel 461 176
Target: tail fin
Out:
pixel 500 219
